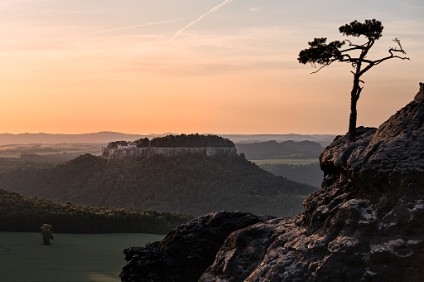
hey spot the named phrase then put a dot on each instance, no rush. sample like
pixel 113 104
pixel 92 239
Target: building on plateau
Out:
pixel 207 145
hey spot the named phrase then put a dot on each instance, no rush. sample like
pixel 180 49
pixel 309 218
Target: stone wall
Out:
pixel 146 152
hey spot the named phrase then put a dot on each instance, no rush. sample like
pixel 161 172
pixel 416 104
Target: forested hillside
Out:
pixel 192 184
pixel 8 164
pixel 309 173
pixel 21 213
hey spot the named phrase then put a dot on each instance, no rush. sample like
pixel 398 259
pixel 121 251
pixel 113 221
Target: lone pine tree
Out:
pixel 321 53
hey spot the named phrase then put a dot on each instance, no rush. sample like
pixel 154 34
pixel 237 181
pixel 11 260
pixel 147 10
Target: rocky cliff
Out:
pixel 366 223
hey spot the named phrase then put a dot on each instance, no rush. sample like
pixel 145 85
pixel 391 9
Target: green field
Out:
pixel 70 258
pixel 286 161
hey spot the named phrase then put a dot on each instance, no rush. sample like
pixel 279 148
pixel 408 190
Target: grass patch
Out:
pixel 70 258
pixel 286 161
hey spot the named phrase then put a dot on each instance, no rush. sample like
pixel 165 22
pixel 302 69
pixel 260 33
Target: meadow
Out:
pixel 70 258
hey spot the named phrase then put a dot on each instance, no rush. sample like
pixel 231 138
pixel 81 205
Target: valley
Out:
pixel 71 257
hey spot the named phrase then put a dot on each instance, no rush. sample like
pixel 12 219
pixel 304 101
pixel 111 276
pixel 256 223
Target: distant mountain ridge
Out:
pixel 280 150
pixel 323 139
pixel 107 136
pixel 98 137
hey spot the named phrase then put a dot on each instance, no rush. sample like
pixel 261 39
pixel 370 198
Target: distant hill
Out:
pixel 323 139
pixel 45 138
pixel 283 150
pixel 309 174
pixel 21 213
pixel 192 184
pixel 106 136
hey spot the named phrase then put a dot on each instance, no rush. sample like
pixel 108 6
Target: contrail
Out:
pixel 211 11
pixel 139 25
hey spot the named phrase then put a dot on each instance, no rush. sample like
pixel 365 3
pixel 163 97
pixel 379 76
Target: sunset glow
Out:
pixel 210 66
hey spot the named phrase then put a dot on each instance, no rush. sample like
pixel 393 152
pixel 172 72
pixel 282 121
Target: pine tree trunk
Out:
pixel 354 96
pixel 352 121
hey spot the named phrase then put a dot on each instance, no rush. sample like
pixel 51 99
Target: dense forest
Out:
pixel 21 213
pixel 7 164
pixel 280 150
pixel 191 184
pixel 182 140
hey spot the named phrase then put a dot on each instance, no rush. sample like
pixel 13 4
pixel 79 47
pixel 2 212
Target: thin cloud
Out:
pixel 211 11
pixel 138 26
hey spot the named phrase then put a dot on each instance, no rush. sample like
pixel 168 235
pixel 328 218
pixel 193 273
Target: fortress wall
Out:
pixel 146 152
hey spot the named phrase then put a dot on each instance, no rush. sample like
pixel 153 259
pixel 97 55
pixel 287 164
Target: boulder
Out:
pixel 186 252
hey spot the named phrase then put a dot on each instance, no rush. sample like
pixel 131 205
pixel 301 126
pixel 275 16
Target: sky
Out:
pixel 195 66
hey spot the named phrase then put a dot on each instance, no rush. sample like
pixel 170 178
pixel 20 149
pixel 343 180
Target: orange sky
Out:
pixel 194 66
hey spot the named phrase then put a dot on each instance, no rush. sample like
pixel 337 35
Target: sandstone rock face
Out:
pixel 366 223
pixel 186 251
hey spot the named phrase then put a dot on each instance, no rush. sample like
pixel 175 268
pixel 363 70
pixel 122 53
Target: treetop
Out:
pixel 322 53
pixel 319 52
pixel 372 29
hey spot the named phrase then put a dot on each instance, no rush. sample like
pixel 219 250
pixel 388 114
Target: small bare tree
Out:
pixel 47 233
pixel 321 53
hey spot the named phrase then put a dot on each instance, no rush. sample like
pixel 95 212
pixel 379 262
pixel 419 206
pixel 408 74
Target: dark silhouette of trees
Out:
pixel 19 213
pixel 321 53
pixel 182 140
pixel 143 142
pixel 191 140
pixel 115 144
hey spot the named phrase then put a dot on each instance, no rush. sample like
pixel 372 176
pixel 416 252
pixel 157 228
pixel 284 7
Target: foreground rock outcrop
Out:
pixel 186 251
pixel 366 223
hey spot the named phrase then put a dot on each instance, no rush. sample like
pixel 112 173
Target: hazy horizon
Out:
pixel 8 139
pixel 195 66
pixel 165 133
